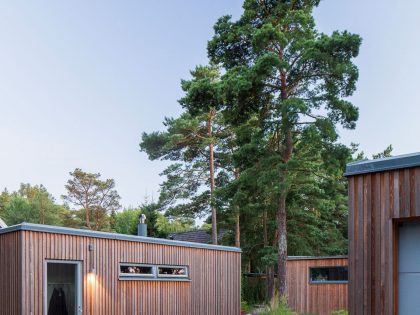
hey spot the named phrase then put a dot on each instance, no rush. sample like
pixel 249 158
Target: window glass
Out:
pixel 129 271
pixel 171 271
pixel 133 270
pixel 329 274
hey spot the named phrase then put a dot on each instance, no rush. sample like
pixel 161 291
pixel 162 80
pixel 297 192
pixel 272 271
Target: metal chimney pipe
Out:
pixel 142 226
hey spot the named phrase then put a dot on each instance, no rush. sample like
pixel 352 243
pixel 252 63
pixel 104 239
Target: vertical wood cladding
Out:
pixel 214 288
pixel 377 201
pixel 309 298
pixel 10 274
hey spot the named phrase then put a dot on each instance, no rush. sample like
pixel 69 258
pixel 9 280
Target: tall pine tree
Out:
pixel 280 68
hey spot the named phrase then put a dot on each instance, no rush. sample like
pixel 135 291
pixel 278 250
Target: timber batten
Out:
pixel 214 271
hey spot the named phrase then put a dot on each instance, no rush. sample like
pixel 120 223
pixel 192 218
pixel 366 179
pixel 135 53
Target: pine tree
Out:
pixel 293 78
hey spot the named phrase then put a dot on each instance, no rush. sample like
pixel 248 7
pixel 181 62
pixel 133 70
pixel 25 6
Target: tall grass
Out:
pixel 278 308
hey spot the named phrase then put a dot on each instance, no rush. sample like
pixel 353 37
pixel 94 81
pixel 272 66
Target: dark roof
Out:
pixel 195 236
pixel 384 164
pixel 113 236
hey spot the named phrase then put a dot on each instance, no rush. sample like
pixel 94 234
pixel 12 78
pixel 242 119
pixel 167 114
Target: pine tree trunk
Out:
pixel 237 229
pixel 282 246
pixel 214 233
pixel 269 270
pixel 237 219
pixel 282 219
pixel 87 211
pixel 286 153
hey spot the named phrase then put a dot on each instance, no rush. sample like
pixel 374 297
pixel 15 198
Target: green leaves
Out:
pixel 31 204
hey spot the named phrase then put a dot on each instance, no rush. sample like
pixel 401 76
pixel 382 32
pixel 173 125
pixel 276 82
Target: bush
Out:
pixel 340 312
pixel 245 307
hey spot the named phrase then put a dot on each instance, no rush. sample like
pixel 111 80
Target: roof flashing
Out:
pixel 114 236
pixel 383 164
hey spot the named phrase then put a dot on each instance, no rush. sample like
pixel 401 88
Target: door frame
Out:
pixel 79 282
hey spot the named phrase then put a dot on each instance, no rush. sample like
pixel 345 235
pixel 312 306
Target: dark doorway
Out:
pixel 63 296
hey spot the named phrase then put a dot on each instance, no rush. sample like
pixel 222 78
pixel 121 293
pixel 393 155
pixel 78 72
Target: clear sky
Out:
pixel 81 80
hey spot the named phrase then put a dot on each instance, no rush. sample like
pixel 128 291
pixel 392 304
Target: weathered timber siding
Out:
pixel 214 288
pixel 308 298
pixel 10 274
pixel 377 201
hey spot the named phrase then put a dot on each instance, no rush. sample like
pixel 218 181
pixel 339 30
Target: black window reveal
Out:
pixel 338 274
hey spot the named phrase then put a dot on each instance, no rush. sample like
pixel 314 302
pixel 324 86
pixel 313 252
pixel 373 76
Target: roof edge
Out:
pixel 114 236
pixel 383 164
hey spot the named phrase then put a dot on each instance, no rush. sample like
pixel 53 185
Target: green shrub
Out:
pixel 245 306
pixel 340 312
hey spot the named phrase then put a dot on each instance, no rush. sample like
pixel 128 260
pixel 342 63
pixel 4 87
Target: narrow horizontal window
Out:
pixel 136 270
pixel 128 271
pixel 337 274
pixel 172 272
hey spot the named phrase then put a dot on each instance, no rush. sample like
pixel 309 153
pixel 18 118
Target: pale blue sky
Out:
pixel 81 80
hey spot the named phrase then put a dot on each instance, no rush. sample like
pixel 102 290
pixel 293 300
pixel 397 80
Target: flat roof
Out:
pixel 113 236
pixel 316 257
pixel 384 164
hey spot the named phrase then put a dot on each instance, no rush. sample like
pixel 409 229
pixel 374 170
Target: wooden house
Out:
pixel 384 236
pixel 44 269
pixel 317 285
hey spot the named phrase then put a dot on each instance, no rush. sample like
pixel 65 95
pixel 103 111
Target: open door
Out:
pixel 63 288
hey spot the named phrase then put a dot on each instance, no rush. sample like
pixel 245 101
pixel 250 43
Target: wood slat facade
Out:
pixel 382 193
pixel 10 273
pixel 214 288
pixel 310 298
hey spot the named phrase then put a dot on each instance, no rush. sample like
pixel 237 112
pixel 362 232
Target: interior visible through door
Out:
pixel 62 288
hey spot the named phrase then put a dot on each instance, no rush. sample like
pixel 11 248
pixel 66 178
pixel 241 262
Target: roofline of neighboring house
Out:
pixel 113 236
pixel 196 230
pixel 384 164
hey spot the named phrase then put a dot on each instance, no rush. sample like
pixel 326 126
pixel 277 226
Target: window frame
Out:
pixel 163 276
pixel 136 275
pixel 154 276
pixel 327 281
